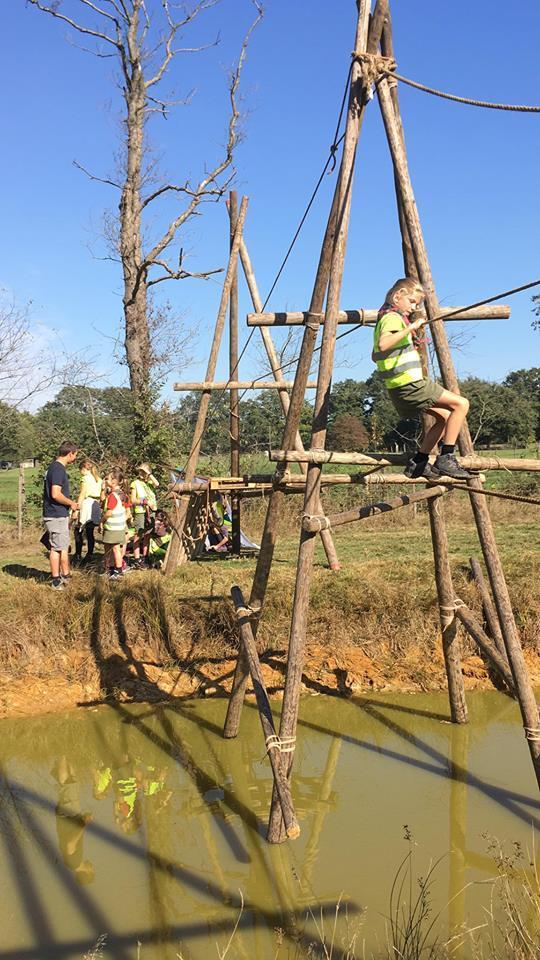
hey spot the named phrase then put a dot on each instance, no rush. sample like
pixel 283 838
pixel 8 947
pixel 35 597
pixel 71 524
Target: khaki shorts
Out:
pixel 114 537
pixel 412 399
pixel 58 530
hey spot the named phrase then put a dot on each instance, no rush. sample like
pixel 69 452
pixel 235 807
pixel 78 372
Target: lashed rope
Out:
pixel 285 745
pixel 375 67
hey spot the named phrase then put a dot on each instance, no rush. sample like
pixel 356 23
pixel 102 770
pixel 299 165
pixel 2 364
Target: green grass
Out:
pixel 9 486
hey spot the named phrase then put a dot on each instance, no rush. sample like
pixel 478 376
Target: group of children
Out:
pixel 126 514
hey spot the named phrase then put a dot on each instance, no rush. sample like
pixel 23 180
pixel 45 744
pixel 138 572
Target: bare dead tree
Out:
pixel 144 43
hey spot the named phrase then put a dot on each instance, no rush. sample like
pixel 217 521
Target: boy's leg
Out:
pixel 78 533
pixel 90 539
pixel 436 430
pixel 54 562
pixel 64 563
pixel 457 409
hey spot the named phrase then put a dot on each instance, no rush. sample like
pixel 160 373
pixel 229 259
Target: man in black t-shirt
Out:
pixel 57 503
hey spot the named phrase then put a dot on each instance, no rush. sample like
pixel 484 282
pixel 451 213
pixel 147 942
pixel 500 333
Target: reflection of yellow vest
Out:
pixel 142 491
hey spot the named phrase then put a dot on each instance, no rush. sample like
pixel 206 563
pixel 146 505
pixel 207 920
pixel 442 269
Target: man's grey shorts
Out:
pixel 58 530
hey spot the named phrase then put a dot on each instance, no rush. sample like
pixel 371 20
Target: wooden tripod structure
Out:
pixel 373 34
pixel 183 492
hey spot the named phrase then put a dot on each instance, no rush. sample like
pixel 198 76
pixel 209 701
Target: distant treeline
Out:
pixel 361 416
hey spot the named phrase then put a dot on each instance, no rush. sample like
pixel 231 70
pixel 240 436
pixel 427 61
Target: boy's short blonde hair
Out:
pixel 409 284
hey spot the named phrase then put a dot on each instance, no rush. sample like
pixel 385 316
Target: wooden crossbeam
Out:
pixel 208 385
pixel 472 462
pixel 368 317
pixel 314 524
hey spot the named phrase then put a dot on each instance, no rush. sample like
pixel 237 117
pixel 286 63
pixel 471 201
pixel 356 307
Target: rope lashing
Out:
pixel 375 67
pixel 532 733
pixel 316 524
pixel 447 611
pixel 287 745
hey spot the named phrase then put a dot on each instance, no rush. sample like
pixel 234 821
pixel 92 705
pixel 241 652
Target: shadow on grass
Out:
pixel 22 572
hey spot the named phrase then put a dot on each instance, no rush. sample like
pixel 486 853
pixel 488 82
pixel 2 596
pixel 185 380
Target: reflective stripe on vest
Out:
pixel 141 491
pixel 116 521
pixel 400 365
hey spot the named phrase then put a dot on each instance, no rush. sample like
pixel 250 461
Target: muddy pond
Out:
pixel 138 832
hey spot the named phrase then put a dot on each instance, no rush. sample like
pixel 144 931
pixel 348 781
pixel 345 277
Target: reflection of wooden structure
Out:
pixel 368 70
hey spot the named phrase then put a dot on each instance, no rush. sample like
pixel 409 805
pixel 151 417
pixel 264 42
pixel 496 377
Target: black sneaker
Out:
pixel 57 584
pixel 414 470
pixel 446 465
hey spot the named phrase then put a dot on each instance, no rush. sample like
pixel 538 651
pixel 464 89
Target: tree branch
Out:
pixel 174 27
pixel 232 139
pixel 73 23
pixel 92 176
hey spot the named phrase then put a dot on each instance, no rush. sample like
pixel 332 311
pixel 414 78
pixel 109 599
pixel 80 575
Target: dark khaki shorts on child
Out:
pixel 412 399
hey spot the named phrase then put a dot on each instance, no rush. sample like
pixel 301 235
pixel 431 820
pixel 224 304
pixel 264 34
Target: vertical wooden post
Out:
pixel 449 624
pixel 180 511
pixel 439 539
pixel 524 690
pixel 21 502
pixel 311 329
pixel 233 375
pixel 297 639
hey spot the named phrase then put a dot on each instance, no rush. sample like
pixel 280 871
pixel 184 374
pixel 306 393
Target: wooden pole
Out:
pixel 21 502
pixel 206 385
pixel 367 317
pixel 528 705
pixel 312 524
pixel 276 502
pixel 180 512
pixel 234 405
pixel 326 536
pixel 446 595
pixel 472 462
pixel 297 639
pixel 490 613
pixel 497 660
pixel 265 714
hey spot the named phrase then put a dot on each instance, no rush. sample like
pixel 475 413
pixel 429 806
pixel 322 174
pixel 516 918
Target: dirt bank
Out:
pixel 372 627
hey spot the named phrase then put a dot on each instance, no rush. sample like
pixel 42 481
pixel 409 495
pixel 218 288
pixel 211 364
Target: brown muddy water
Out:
pixel 143 826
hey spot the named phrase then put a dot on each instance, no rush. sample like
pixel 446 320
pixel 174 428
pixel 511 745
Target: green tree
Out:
pixel 527 384
pixel 347 432
pixel 498 413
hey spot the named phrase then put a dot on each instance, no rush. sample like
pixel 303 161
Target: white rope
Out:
pixel 447 611
pixel 273 742
pixel 532 733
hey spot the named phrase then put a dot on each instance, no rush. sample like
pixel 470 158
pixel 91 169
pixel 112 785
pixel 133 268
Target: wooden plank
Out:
pixel 265 713
pixel 368 316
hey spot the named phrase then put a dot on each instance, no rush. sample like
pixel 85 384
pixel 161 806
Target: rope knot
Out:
pixel 374 67
pixel 285 745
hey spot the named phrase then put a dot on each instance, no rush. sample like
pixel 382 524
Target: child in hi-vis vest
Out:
pixel 115 516
pixel 399 364
pixel 144 506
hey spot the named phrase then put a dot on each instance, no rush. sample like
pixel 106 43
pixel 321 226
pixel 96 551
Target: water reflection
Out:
pixel 143 824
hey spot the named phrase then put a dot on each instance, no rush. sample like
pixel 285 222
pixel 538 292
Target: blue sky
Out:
pixel 475 172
